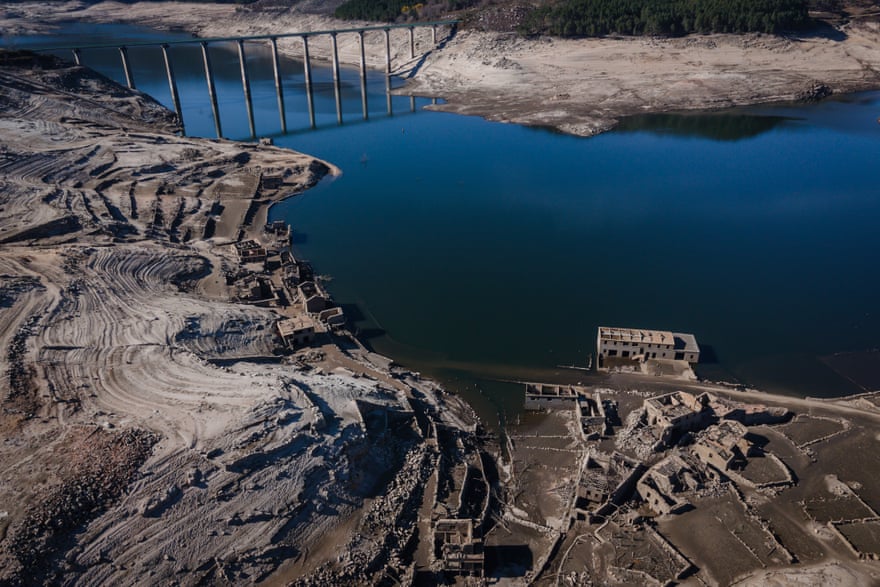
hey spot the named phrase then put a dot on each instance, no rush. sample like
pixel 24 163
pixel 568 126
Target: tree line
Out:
pixel 593 18
pixel 394 10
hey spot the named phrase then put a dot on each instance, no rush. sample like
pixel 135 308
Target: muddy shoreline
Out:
pixel 146 437
pixel 132 396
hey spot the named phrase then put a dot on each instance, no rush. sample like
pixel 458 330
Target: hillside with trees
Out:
pixel 592 18
pixel 397 10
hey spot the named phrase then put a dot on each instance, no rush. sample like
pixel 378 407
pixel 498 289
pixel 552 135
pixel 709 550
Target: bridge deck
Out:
pixel 383 27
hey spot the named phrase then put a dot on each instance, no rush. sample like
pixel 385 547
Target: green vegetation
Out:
pixel 393 10
pixel 570 18
pixel 381 10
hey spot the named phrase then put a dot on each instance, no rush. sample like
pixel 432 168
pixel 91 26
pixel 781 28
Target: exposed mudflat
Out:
pixel 798 509
pixel 153 430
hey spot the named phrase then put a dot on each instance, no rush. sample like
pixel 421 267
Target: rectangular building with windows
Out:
pixel 638 344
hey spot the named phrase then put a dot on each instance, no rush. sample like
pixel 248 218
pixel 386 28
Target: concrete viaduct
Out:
pixel 272 40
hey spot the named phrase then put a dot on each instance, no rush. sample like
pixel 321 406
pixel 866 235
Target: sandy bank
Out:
pixel 579 86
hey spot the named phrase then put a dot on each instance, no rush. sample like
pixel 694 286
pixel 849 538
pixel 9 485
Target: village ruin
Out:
pixel 644 468
pixel 184 403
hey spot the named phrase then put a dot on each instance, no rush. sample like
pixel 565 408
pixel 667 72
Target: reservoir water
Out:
pixel 480 251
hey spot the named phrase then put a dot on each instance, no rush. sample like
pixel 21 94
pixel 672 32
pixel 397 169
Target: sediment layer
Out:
pixel 154 428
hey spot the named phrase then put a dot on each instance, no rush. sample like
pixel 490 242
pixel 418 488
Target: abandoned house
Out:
pixel 250 251
pixel 313 299
pixel 295 332
pixel 663 485
pixel 638 344
pixel 724 446
pixel 458 545
pixel 674 413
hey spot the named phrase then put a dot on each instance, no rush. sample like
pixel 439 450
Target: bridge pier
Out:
pixel 172 85
pixel 388 69
pixel 126 67
pixel 279 90
pixel 364 108
pixel 387 52
pixel 307 64
pixel 276 67
pixel 246 87
pixel 337 90
pixel 212 91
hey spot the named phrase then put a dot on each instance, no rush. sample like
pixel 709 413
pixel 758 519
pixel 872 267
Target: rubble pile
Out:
pixel 387 530
pixel 101 466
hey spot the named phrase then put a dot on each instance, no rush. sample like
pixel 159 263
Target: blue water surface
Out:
pixel 473 249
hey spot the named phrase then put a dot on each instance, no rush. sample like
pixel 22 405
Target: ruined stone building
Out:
pixel 674 413
pixel 591 415
pixel 313 299
pixel 748 414
pixel 640 345
pixel 296 332
pixel 458 547
pixel 724 446
pixel 540 396
pixel 609 479
pixel 258 291
pixel 727 448
pixel 250 251
pixel 663 486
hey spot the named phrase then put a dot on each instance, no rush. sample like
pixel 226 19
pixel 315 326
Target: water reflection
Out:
pixel 215 96
pixel 717 127
pixel 476 251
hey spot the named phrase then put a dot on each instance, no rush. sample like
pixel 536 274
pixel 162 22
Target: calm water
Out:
pixel 475 250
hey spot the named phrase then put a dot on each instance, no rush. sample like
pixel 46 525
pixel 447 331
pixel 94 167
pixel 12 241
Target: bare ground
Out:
pixel 140 443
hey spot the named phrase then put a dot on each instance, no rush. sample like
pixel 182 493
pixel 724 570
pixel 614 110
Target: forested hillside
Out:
pixel 393 10
pixel 570 18
pixel 592 18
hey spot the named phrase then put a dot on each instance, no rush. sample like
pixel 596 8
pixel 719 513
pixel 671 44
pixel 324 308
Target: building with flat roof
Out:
pixel 296 331
pixel 637 344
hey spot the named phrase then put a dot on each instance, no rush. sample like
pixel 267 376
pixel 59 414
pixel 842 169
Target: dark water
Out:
pixel 478 251
pixel 477 247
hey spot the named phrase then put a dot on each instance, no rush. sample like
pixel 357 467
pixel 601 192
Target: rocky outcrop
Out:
pixel 814 92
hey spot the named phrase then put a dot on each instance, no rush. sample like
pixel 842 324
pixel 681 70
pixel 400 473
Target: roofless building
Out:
pixel 641 344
